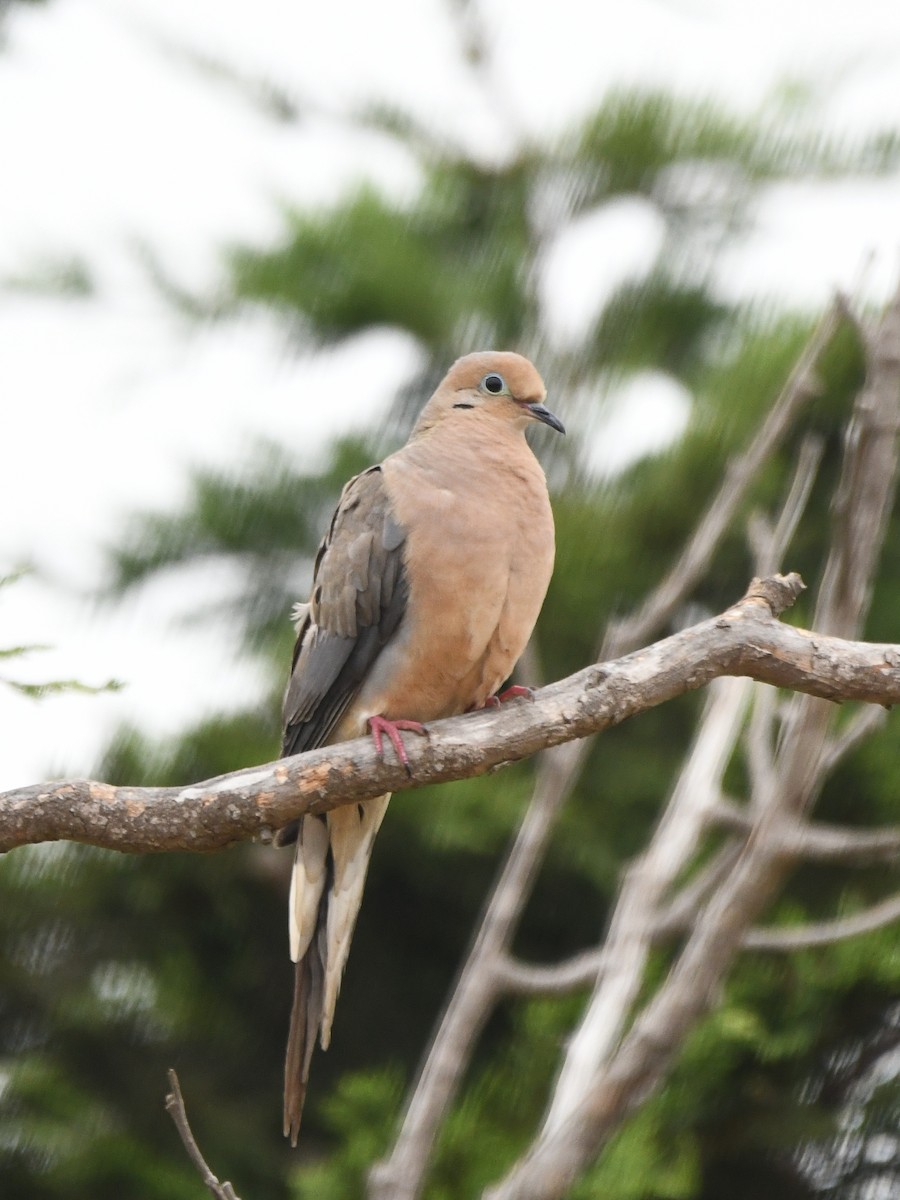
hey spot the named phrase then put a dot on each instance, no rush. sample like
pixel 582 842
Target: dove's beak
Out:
pixel 540 413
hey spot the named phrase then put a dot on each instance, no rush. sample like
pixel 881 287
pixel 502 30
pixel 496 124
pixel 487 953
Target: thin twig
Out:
pixel 838 844
pixel 776 541
pixel 176 1110
pixel 815 841
pixel 518 978
pixel 685 906
pixel 770 544
pixel 862 725
pixel 586 969
pixel 825 933
pixel 583 970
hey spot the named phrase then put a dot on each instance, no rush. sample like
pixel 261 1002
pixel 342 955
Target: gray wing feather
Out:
pixel 358 600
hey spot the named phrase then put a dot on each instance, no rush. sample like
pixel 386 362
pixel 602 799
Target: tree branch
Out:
pixel 816 841
pixel 685 905
pixel 549 979
pixel 745 640
pixel 825 933
pixel 400 1176
pixel 175 1108
pixel 770 542
pixel 840 844
pixel 583 970
pixel 645 885
pixel 860 726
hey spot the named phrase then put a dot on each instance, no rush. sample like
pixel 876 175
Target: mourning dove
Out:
pixel 425 591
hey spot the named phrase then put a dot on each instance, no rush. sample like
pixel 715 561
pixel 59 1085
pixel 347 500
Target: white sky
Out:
pixel 111 142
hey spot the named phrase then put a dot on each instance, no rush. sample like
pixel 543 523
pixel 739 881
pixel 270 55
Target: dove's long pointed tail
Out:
pixel 330 866
pixel 306 1016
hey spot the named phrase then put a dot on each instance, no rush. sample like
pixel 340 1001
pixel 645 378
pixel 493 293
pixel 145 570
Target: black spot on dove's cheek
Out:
pixel 463 405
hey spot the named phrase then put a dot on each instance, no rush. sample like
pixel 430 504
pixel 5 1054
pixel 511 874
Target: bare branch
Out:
pixel 556 979
pixel 744 641
pixel 175 1108
pixel 648 1049
pixel 685 906
pixel 770 543
pixel 646 882
pixel 825 933
pixel 400 1176
pixel 839 844
pixel 866 489
pixel 816 841
pixel 583 970
pixel 863 723
pixel 636 921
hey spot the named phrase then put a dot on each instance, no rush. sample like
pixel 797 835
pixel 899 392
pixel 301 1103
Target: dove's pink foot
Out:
pixel 508 694
pixel 379 726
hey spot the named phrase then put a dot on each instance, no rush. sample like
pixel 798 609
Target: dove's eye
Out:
pixel 495 384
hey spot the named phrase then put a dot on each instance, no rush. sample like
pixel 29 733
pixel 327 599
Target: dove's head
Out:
pixel 497 385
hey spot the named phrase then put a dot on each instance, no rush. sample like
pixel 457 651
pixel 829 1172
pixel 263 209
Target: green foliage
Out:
pixel 646 1159
pixel 370 263
pixel 658 321
pixel 48 687
pixel 361 1114
pixel 501 1105
pixel 637 136
pixel 67 276
pixel 107 980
